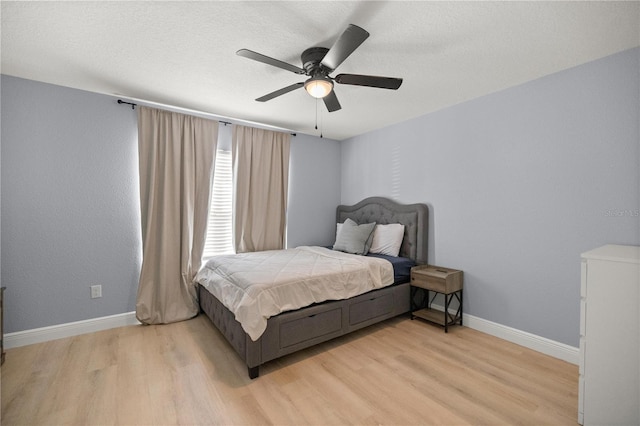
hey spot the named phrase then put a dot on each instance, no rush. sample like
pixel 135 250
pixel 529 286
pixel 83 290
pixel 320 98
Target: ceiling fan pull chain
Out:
pixel 318 100
pixel 320 119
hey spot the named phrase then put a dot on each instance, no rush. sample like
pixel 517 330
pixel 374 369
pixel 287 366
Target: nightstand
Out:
pixel 439 280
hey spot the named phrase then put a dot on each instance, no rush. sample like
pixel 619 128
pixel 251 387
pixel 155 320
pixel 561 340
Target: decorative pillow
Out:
pixel 387 239
pixel 353 238
pixel 339 226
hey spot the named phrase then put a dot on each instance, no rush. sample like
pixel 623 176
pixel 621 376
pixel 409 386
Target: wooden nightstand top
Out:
pixel 437 278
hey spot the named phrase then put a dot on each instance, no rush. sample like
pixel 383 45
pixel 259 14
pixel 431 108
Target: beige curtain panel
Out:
pixel 261 181
pixel 177 157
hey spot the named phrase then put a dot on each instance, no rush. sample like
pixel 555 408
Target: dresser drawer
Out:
pixel 583 279
pixel 583 317
pixel 582 354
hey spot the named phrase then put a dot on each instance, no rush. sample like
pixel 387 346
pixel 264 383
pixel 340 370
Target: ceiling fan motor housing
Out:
pixel 311 61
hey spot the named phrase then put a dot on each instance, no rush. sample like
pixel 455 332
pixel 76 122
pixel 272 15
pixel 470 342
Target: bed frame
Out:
pixel 292 331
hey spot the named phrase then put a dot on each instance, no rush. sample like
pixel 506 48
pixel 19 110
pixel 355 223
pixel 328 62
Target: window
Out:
pixel 219 225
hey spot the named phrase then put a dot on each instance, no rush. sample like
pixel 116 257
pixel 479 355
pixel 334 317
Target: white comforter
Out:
pixel 256 286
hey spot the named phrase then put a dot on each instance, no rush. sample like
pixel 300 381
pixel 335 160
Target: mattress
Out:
pixel 256 286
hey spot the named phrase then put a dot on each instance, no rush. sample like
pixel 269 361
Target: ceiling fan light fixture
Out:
pixel 318 87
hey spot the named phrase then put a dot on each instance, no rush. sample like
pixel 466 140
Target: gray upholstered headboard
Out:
pixel 414 217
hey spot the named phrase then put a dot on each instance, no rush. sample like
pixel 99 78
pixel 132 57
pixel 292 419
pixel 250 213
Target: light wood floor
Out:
pixel 397 372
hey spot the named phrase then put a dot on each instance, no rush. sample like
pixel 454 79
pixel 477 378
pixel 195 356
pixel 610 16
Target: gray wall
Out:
pixel 519 183
pixel 314 191
pixel 70 209
pixel 70 202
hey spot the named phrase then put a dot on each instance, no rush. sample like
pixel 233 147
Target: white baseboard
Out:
pixel 537 343
pixel 44 334
pixel 541 344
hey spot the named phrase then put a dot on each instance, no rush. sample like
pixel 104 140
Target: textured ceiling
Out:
pixel 183 53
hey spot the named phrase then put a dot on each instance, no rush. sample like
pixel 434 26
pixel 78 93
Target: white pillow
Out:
pixel 387 239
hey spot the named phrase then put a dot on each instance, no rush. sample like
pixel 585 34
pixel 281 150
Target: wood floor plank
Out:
pixel 397 372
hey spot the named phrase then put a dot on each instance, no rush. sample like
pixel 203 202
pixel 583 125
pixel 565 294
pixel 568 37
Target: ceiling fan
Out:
pixel 319 62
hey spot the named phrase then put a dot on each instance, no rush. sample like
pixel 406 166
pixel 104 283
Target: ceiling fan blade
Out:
pixel 280 92
pixel 348 41
pixel 331 102
pixel 369 80
pixel 268 60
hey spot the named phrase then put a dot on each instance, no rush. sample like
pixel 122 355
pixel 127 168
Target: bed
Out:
pixel 301 328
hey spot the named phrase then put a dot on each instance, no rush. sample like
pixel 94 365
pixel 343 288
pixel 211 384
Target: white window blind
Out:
pixel 219 224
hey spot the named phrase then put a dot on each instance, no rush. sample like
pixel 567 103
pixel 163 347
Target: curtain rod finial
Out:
pixel 133 106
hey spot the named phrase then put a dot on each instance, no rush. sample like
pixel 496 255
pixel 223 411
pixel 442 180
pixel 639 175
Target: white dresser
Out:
pixel 609 388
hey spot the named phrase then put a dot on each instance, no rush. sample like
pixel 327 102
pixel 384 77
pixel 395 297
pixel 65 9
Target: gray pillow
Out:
pixel 354 238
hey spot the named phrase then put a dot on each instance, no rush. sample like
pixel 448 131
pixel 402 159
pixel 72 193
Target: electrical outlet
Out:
pixel 96 291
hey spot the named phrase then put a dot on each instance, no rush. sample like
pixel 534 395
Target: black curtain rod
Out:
pixel 133 106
